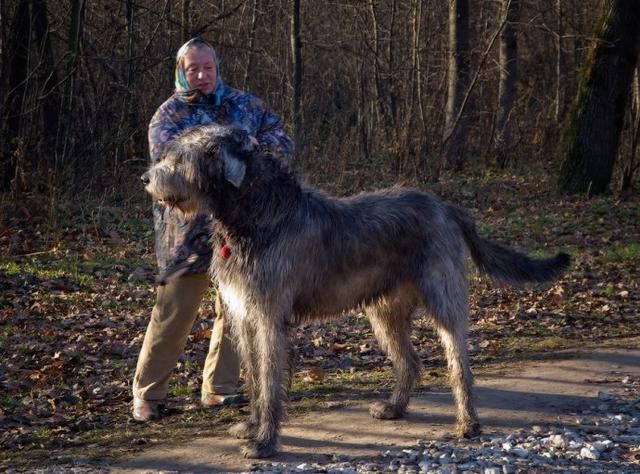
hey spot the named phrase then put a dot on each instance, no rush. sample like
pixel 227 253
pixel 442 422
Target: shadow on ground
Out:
pixel 543 393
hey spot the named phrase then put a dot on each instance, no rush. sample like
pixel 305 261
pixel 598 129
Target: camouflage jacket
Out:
pixel 185 243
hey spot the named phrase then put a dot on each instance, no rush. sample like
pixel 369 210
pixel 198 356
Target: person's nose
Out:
pixel 200 74
pixel 145 178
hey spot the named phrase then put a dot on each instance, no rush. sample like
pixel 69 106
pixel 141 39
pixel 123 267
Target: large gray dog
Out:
pixel 293 255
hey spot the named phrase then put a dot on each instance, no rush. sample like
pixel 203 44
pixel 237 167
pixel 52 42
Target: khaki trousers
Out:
pixel 172 317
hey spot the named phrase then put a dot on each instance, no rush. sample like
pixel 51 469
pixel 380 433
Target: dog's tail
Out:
pixel 503 263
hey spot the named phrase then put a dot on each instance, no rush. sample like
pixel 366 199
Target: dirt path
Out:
pixel 533 393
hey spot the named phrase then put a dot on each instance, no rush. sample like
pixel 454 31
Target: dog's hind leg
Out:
pixel 391 321
pixel 271 344
pixel 290 369
pixel 446 298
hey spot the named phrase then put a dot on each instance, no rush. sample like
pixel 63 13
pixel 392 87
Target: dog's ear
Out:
pixel 234 168
pixel 241 141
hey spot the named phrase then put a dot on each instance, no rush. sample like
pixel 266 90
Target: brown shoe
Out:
pixel 231 400
pixel 145 410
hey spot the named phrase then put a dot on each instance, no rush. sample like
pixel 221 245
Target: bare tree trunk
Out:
pixel 417 65
pixel 379 97
pixel 391 89
pixel 384 65
pixel 3 50
pixel 415 96
pixel 363 116
pixel 560 75
pixel 127 112
pixel 130 42
pixel 49 96
pixel 458 81
pixel 591 141
pixel 64 141
pixel 413 90
pixel 631 166
pixel 296 77
pixel 508 84
pixel 77 21
pixel 252 40
pixel 18 61
pixel 185 21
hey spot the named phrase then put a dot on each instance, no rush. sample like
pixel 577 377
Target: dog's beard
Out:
pixel 171 190
pixel 187 206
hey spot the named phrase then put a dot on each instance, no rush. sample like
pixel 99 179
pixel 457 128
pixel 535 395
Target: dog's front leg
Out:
pixel 245 335
pixel 271 343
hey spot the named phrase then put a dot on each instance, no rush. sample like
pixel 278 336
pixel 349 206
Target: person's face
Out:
pixel 200 70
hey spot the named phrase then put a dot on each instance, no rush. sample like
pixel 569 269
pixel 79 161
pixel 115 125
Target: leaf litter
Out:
pixel 75 298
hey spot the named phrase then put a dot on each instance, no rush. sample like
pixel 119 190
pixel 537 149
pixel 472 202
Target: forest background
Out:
pixel 526 112
pixel 372 91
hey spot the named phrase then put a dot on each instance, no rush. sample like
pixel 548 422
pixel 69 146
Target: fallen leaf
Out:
pixel 315 374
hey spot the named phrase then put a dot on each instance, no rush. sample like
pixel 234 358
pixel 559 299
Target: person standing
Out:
pixel 200 98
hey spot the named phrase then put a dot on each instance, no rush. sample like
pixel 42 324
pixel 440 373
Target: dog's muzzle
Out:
pixel 145 178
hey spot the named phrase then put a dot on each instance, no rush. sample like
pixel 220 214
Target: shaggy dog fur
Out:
pixel 294 255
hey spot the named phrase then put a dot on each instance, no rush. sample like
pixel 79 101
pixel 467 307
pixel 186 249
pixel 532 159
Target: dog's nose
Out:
pixel 145 178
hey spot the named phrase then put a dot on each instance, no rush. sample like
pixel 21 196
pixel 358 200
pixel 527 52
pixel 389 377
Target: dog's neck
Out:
pixel 257 205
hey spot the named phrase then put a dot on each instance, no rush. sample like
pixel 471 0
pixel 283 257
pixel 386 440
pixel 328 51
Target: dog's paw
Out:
pixel 244 430
pixel 385 411
pixel 254 449
pixel 468 430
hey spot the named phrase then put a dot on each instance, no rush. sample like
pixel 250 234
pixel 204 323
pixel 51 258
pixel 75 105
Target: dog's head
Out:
pixel 197 163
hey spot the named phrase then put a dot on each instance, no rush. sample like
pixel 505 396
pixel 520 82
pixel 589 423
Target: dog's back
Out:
pixel 348 252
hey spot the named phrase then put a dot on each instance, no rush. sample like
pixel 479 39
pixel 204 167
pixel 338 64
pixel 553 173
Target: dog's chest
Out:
pixel 234 298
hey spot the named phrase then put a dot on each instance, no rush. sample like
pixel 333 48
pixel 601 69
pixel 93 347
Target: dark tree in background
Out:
pixel 591 142
pixel 67 153
pixel 17 59
pixel 248 70
pixel 458 81
pixel 185 23
pixel 631 164
pixel 508 85
pixel 50 99
pixel 296 76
